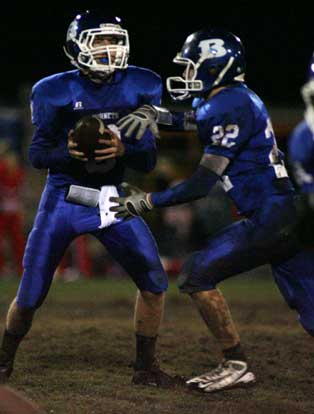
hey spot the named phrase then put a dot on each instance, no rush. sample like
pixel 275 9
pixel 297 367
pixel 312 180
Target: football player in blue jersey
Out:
pixel 75 198
pixel 239 152
pixel 301 159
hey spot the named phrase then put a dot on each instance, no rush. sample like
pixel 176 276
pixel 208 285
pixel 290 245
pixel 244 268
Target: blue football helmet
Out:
pixel 307 90
pixel 86 48
pixel 212 58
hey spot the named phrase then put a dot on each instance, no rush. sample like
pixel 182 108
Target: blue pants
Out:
pixel 264 238
pixel 58 222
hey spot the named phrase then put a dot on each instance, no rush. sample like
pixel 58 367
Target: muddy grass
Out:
pixel 77 357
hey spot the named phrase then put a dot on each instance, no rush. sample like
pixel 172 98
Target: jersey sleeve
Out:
pixel 45 151
pixel 224 132
pixel 154 94
pixel 142 155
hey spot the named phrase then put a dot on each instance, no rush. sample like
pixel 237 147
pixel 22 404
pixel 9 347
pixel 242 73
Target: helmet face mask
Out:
pixel 213 58
pixel 182 87
pixel 97 46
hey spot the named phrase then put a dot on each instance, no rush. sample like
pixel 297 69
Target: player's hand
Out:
pixel 135 203
pixel 140 120
pixel 114 148
pixel 72 148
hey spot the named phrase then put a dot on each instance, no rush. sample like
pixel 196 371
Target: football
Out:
pixel 13 402
pixel 87 132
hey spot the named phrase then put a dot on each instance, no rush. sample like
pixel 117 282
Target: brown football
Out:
pixel 87 131
pixel 14 402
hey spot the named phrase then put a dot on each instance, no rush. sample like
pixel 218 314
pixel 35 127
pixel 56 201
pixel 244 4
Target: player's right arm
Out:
pixel 139 128
pixel 136 202
pixel 199 185
pixel 150 117
pixel 46 150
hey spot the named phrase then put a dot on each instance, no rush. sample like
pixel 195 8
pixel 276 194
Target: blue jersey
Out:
pixel 58 101
pixel 301 156
pixel 235 124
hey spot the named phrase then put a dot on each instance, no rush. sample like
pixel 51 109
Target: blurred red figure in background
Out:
pixel 76 262
pixel 12 178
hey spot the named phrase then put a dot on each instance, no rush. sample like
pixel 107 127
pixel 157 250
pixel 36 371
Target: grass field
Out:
pixel 76 358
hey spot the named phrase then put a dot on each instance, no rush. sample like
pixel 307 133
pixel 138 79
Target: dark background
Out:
pixel 278 42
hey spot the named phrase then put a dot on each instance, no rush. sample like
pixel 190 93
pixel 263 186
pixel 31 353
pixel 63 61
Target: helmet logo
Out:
pixel 72 31
pixel 212 48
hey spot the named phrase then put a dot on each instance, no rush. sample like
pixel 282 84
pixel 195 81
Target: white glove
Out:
pixel 134 203
pixel 141 119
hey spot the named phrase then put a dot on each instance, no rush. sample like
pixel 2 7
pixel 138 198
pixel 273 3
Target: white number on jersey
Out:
pixel 269 130
pixel 275 161
pixel 224 136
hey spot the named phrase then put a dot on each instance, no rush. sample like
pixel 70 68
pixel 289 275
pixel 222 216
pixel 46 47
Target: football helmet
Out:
pixel 307 90
pixel 96 44
pixel 212 58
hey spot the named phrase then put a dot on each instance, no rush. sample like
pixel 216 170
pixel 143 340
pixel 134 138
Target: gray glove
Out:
pixel 135 203
pixel 141 119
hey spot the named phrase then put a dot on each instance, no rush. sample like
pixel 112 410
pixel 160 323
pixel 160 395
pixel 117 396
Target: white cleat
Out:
pixel 212 375
pixel 230 374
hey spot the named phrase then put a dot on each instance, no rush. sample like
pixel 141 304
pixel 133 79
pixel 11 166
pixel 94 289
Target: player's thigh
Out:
pixel 50 236
pixel 232 251
pixel 133 246
pixel 295 279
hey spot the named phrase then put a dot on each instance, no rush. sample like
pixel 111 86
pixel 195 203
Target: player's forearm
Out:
pixel 174 120
pixel 197 186
pixel 43 158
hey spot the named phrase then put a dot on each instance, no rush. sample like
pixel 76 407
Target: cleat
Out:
pixel 247 380
pixel 212 375
pixel 229 374
pixel 155 377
